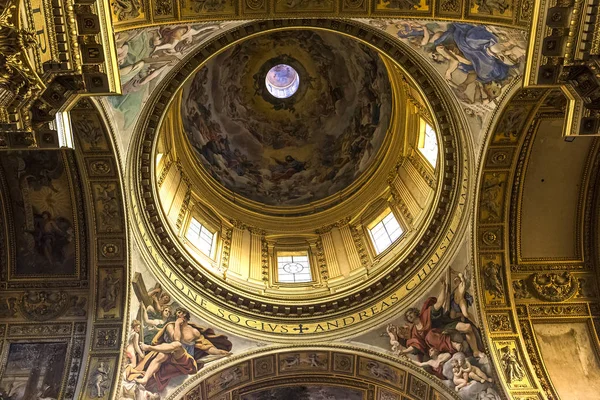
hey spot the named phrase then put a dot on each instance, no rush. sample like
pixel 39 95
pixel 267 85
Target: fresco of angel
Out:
pixel 145 56
pixel 487 61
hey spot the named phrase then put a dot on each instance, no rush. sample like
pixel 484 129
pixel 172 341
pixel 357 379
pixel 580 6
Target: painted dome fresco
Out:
pixel 288 118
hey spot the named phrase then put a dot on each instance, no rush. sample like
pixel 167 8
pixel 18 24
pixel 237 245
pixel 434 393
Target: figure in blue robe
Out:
pixel 475 44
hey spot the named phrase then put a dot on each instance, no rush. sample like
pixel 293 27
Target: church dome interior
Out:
pixel 299 200
pixel 301 148
pixel 323 192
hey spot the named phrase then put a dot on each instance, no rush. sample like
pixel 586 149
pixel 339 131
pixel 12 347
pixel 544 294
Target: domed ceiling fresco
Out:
pixel 313 137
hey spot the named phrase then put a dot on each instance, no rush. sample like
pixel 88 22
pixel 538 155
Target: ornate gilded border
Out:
pixel 517 195
pixel 98 158
pixel 510 306
pixel 157 12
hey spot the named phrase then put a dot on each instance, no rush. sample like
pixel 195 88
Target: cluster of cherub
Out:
pixel 466 373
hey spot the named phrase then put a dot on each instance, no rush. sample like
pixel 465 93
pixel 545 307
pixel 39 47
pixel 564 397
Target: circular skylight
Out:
pixel 282 81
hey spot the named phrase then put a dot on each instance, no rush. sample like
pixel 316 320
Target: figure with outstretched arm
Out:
pixel 443 322
pixel 430 327
pixel 460 299
pixel 423 335
pixel 177 349
pixel 156 322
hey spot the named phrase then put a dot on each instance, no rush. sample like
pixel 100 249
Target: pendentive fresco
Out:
pixel 145 56
pixel 166 343
pixel 441 334
pixel 478 62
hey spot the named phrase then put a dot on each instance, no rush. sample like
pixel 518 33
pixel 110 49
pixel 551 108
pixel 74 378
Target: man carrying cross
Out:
pixel 177 349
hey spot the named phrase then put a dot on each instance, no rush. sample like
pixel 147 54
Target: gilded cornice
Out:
pixel 51 55
pixel 327 228
pixel 562 53
pixel 145 13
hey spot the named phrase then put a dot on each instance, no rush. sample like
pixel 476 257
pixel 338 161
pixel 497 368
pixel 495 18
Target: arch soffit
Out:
pixel 77 290
pixel 370 372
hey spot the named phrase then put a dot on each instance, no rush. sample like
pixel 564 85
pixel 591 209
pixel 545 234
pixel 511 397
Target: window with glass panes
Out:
pixel 293 268
pixel 200 236
pixel 385 232
pixel 428 145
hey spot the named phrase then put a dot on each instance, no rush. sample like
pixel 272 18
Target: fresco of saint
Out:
pixel 177 349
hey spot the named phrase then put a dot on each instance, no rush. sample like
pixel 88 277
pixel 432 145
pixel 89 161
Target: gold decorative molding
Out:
pixel 52 55
pixel 536 290
pixel 562 37
pixel 554 287
pixel 147 13
pixel 69 320
pixel 319 364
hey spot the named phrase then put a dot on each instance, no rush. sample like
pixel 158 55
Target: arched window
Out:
pixel 428 144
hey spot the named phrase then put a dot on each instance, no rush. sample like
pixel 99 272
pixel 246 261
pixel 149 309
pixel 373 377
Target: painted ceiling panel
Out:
pixel 297 150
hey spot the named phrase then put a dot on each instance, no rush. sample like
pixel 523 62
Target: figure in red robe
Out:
pixel 432 328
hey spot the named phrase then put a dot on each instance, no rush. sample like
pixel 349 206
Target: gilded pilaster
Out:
pixel 405 196
pixel 350 246
pixel 235 255
pixel 330 256
pixel 416 177
pixel 185 206
pixel 166 167
pixel 256 255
